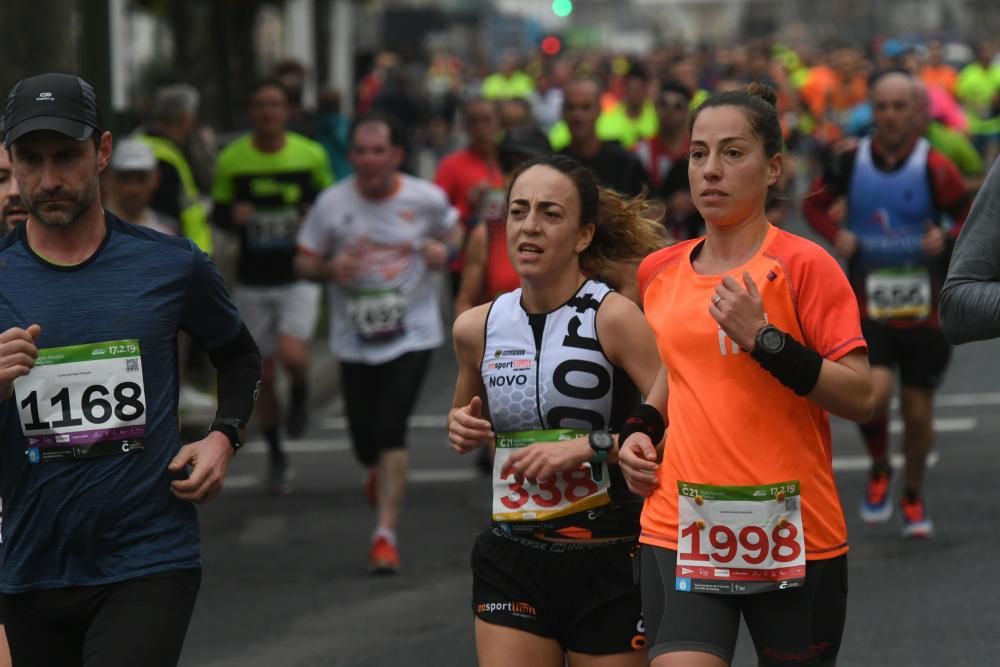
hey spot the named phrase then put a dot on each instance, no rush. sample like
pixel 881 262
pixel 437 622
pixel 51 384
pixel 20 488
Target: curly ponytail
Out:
pixel 627 230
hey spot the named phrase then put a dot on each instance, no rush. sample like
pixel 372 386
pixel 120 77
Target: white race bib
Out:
pixel 83 401
pixel 568 492
pixel 272 229
pixel 895 294
pixel 739 539
pixel 377 315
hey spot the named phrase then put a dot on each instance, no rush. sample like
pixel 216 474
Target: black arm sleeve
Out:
pixel 238 364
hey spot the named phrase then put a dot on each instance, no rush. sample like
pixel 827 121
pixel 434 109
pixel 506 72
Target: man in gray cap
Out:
pixel 101 545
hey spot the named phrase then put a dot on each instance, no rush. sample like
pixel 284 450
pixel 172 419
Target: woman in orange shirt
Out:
pixel 760 337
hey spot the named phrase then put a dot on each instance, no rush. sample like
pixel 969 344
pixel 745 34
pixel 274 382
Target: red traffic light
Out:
pixel 551 45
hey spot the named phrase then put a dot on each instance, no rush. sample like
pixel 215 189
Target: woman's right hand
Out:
pixel 467 429
pixel 637 460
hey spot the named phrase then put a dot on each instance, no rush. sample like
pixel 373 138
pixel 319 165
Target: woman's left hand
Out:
pixel 740 312
pixel 542 460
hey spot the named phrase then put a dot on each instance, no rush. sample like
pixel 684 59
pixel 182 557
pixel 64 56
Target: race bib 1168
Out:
pixel 82 401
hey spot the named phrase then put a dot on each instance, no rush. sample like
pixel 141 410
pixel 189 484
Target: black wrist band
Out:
pixel 795 366
pixel 644 419
pixel 230 429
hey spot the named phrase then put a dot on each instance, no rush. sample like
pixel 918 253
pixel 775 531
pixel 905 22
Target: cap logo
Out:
pixel 45 97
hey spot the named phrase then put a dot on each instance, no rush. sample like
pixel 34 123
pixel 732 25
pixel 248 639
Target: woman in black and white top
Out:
pixel 548 374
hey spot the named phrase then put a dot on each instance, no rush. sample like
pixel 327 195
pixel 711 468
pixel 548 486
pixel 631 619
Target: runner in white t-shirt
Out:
pixel 376 237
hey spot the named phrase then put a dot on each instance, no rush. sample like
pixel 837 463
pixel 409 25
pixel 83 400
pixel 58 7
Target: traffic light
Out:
pixel 562 8
pixel 551 45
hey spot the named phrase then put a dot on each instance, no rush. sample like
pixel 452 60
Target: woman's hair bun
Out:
pixel 763 91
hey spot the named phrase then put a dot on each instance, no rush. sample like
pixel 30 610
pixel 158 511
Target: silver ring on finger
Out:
pixel 716 299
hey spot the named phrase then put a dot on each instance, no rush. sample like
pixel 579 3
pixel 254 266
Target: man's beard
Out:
pixel 64 218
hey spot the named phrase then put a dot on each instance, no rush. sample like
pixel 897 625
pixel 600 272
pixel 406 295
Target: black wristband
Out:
pixel 230 429
pixel 644 419
pixel 795 366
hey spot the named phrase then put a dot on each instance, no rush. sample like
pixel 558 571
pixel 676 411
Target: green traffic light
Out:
pixel 562 8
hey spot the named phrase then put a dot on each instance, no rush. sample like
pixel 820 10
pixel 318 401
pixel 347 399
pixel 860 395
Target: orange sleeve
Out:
pixel 826 304
pixel 655 262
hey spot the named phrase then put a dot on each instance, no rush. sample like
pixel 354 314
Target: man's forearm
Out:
pixel 311 268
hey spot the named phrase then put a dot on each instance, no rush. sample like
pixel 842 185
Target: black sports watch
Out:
pixel 769 341
pixel 601 444
pixel 230 429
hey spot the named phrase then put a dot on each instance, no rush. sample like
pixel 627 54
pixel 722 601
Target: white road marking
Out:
pixel 305 446
pixel 450 475
pixel 858 463
pixel 418 476
pixel 967 400
pixel 942 425
pixel 433 475
pixel 453 475
pixel 339 422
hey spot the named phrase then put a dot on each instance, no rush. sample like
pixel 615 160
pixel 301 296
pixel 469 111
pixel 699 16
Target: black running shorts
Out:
pixel 583 596
pixel 798 627
pixel 922 354
pixel 378 400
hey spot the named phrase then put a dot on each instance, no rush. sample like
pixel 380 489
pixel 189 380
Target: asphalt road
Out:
pixel 285 581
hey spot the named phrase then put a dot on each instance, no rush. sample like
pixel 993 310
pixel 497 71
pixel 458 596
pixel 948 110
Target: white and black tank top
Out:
pixel 549 371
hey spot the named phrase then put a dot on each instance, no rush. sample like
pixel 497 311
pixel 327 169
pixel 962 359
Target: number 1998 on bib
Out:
pixel 739 539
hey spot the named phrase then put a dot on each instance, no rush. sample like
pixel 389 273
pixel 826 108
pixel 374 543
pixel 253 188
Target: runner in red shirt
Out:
pixel 467 173
pixel 487 271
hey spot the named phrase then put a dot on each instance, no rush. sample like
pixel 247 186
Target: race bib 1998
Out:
pixel 898 294
pixel 83 401
pixel 568 492
pixel 739 539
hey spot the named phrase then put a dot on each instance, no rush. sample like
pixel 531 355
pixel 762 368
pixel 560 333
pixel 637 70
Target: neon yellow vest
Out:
pixel 194 217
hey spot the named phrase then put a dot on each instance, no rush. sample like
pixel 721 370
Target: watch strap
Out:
pixel 228 430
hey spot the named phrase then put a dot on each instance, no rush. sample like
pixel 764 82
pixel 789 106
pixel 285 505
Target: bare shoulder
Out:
pixel 617 310
pixel 617 317
pixel 469 330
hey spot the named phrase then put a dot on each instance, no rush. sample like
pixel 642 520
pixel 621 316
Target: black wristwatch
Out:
pixel 601 444
pixel 230 429
pixel 768 342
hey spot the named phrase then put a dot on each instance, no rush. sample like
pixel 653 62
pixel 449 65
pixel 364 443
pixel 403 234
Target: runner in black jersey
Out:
pixel 546 372
pixel 264 182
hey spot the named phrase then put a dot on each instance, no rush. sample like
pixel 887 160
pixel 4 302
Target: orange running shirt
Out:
pixel 730 421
